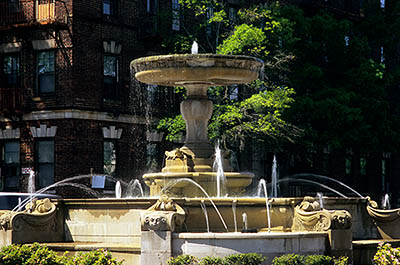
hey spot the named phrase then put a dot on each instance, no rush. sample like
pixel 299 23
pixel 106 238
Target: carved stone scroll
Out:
pixel 164 215
pixel 38 214
pixel 308 216
pixel 387 221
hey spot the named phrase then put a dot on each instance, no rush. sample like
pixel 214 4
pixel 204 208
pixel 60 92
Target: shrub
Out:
pixel 235 259
pixel 40 254
pixel 318 260
pixel 244 259
pixel 212 261
pixel 294 259
pixel 387 255
pixel 289 259
pixel 183 260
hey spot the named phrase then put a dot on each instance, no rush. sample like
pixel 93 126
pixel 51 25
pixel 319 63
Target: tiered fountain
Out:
pixel 180 217
pixel 196 72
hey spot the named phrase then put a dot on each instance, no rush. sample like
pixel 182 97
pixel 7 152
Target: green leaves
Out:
pixel 246 39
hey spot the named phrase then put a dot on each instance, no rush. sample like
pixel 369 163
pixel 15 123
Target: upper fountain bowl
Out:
pixel 197 69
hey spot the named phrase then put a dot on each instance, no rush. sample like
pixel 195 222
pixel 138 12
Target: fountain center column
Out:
pixel 196 110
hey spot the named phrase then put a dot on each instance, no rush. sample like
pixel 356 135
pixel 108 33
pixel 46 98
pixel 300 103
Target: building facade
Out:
pixel 67 103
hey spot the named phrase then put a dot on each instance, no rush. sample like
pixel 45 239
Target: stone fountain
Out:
pixel 182 219
pixel 196 72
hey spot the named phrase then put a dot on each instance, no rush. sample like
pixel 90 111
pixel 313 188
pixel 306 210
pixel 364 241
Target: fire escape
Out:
pixel 50 16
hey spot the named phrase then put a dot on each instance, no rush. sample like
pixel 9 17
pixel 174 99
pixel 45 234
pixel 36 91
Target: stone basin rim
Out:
pixel 188 56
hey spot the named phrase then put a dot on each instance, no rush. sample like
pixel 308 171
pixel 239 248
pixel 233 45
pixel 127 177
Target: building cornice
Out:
pixel 82 115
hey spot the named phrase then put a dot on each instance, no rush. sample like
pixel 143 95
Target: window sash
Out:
pixel 111 77
pixel 11 70
pixel 45 162
pixel 109 158
pixel 46 72
pixel 109 7
pixel 10 166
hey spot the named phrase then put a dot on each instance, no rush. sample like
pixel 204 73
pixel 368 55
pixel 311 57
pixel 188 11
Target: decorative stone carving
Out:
pixel 386 221
pixel 179 153
pixel 164 215
pixel 308 216
pixel 38 215
pixel 44 131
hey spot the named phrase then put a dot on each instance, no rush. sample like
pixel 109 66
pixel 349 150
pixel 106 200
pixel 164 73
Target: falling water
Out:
pixel 320 200
pixel 263 187
pixel 274 178
pixel 244 217
pixel 204 208
pixel 172 183
pixel 132 188
pixel 31 182
pixel 218 167
pixel 234 203
pixel 195 48
pixel 386 202
pixel 118 190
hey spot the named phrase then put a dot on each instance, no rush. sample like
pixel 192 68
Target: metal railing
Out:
pixel 27 11
pixel 10 99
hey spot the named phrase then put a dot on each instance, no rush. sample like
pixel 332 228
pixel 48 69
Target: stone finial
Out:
pixel 164 215
pixel 308 216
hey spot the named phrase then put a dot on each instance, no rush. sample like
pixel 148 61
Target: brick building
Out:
pixel 67 103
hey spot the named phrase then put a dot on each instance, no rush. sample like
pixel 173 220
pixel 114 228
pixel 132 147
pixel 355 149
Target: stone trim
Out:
pixel 44 44
pixel 9 133
pixel 10 47
pixel 43 131
pixel 112 133
pixel 112 47
pixel 83 115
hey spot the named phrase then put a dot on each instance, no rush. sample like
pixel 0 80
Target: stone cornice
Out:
pixel 82 115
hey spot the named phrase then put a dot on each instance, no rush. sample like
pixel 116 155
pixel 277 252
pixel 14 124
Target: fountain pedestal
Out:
pixel 196 72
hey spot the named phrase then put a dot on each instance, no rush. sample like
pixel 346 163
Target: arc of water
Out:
pixel 204 208
pixel 331 179
pixel 59 183
pixel 264 186
pixel 315 183
pixel 172 183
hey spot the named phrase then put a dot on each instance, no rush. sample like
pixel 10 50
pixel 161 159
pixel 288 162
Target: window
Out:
pixel 45 72
pixel 382 3
pixel 10 167
pixel 363 166
pixel 110 7
pixel 109 158
pixel 10 74
pixel 111 77
pixel 45 162
pixel 175 15
pixel 232 14
pixel 13 6
pixel 152 6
